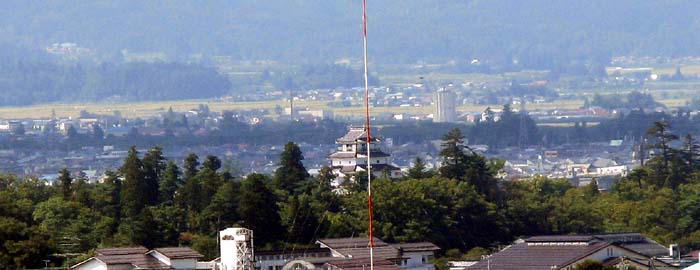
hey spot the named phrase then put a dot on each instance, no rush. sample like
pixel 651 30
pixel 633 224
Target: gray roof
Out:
pixel 179 252
pixel 537 257
pixel 355 134
pixel 636 242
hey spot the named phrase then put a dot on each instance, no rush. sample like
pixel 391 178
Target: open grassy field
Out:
pixel 146 109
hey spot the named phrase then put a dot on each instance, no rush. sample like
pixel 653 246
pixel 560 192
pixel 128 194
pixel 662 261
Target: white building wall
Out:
pixel 419 260
pixel 184 263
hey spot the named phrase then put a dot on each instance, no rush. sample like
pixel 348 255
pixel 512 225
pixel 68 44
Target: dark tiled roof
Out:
pixel 362 264
pixel 179 252
pixel 122 250
pixel 358 247
pixel 385 252
pixel 351 242
pixel 142 261
pixel 524 256
pixel 560 238
pixel 413 247
pixel 352 135
pixel 637 242
pixel 296 252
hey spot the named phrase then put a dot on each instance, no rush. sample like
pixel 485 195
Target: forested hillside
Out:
pixel 538 33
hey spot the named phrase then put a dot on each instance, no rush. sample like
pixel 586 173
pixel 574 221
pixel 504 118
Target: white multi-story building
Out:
pixel 351 157
pixel 445 109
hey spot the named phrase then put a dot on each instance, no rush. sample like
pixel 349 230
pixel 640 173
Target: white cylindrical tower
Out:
pixel 236 249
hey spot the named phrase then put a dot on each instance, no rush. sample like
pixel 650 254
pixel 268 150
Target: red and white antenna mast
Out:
pixel 369 137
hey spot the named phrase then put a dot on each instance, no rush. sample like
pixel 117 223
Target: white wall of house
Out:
pixel 419 260
pixel 184 263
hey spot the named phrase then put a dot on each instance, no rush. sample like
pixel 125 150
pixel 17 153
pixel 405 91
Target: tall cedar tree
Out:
pixel 134 196
pixel 221 212
pixel 191 165
pixel 169 183
pixel 291 171
pixel 210 182
pixel 66 183
pixel 258 209
pixel 212 163
pixel 153 167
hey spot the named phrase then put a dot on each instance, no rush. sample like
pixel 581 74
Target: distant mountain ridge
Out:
pixel 536 33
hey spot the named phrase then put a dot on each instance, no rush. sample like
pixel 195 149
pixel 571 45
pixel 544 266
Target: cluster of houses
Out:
pixel 547 252
pixel 237 253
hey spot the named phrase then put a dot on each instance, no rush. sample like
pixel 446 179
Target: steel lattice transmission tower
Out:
pixel 236 249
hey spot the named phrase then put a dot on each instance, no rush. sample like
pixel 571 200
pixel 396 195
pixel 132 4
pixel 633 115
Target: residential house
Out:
pixel 565 252
pixel 131 258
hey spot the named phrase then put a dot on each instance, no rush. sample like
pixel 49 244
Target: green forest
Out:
pixel 31 82
pixel 461 207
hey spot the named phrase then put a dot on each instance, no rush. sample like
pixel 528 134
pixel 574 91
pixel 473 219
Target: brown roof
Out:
pixel 122 250
pixel 413 247
pixel 179 252
pixel 526 256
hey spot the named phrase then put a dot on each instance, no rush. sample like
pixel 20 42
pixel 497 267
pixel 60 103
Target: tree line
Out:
pixel 27 82
pixel 463 206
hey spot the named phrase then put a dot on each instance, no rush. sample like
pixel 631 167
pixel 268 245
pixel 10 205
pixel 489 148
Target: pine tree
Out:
pixel 66 182
pixel 153 167
pixel 660 133
pixel 418 169
pixel 454 158
pixel 291 171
